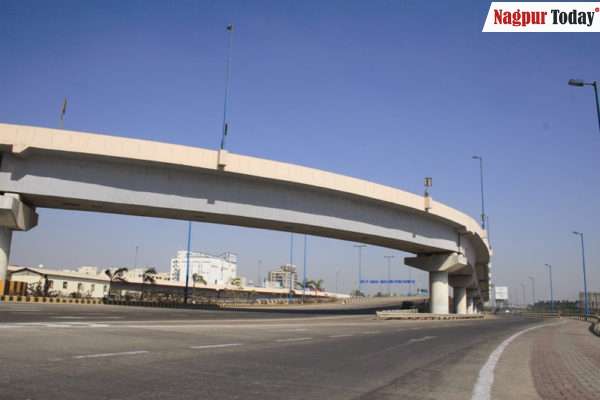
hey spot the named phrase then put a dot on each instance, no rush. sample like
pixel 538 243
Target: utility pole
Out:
pixel 481 184
pixel 551 290
pixel 532 290
pixel 259 282
pixel 389 273
pixel 360 247
pixel 227 73
pixel 586 308
pixel 187 263
pixel 304 270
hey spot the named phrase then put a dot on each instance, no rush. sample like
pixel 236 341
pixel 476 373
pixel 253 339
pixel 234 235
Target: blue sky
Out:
pixel 387 91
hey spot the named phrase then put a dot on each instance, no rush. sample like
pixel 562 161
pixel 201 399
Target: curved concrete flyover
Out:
pixel 51 168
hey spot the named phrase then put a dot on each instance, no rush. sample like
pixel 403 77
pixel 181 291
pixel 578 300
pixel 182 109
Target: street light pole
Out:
pixel 585 292
pixel 551 290
pixel 187 263
pixel 482 197
pixel 227 73
pixel 360 247
pixel 389 273
pixel 258 282
pixel 580 83
pixel 532 290
pixel 304 271
pixel 337 274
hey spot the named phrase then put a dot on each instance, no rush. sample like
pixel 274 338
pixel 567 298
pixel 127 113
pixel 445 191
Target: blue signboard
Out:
pixel 394 281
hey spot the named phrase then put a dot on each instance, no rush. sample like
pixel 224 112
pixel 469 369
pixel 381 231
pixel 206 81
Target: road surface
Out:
pixel 115 352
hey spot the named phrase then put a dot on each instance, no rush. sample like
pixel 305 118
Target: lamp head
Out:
pixel 576 82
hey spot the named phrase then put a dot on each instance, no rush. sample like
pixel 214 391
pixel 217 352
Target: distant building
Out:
pixel 593 301
pixel 283 277
pixel 61 283
pixel 215 270
pixel 137 274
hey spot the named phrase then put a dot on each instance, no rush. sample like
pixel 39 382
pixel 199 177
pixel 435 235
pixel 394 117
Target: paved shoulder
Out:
pixel 560 361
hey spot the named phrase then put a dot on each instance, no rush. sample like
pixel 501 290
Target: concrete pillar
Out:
pixel 5 239
pixel 438 283
pixel 460 300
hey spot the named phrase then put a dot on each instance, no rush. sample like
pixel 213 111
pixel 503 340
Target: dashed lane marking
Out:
pixel 299 339
pixel 103 355
pixel 423 339
pixel 215 346
pixel 341 336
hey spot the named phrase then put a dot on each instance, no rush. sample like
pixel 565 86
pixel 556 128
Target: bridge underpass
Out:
pixel 50 168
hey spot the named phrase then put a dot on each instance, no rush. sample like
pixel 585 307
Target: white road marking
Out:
pixel 294 330
pixel 338 336
pixel 69 317
pixel 216 346
pixel 423 339
pixel 100 355
pixel 371 332
pixel 54 325
pixel 483 387
pixel 293 339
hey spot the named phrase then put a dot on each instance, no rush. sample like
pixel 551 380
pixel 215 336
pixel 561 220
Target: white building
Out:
pixel 215 270
pixel 63 283
pixel 137 274
pixel 283 277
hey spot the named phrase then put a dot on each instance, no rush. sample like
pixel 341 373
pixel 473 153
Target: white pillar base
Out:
pixel 460 300
pixel 5 239
pixel 438 282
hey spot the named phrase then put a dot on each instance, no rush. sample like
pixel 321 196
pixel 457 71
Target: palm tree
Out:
pixel 148 276
pixel 318 285
pixel 116 276
pixel 197 278
pixel 236 282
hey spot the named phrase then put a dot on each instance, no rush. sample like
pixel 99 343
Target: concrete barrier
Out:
pixel 49 300
pixel 399 314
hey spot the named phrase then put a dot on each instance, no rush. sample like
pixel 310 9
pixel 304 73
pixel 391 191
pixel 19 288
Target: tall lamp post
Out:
pixel 389 273
pixel 551 290
pixel 481 184
pixel 304 271
pixel 360 247
pixel 227 73
pixel 581 83
pixel 187 263
pixel 585 292
pixel 524 300
pixel 532 290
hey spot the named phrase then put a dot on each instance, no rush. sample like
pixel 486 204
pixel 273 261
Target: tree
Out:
pixel 116 275
pixel 316 285
pixel 148 277
pixel 197 278
pixel 236 282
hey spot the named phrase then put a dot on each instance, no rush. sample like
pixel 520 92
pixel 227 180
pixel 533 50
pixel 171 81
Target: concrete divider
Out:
pixel 401 315
pixel 49 300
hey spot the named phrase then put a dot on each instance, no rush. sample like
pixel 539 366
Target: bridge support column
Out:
pixel 14 215
pixel 438 282
pixel 460 300
pixel 5 239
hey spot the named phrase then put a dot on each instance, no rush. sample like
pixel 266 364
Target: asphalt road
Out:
pixel 112 352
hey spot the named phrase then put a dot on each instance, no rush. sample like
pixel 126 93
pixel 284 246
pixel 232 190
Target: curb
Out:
pixel 48 300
